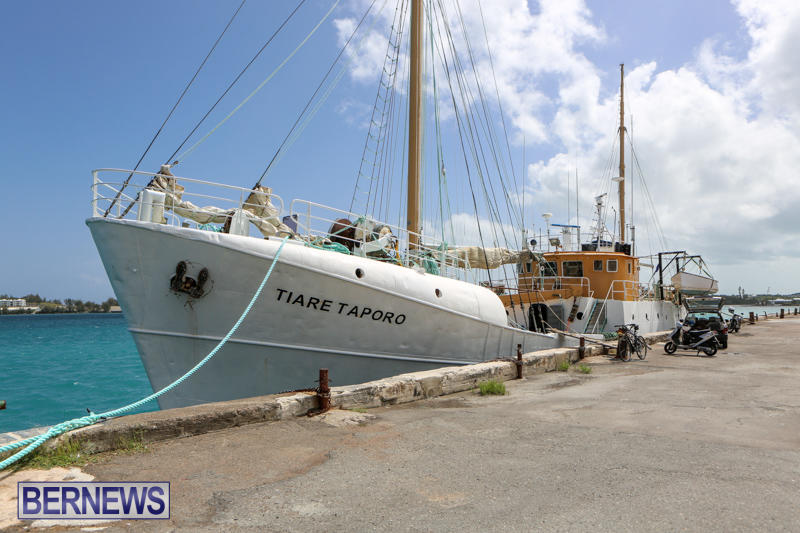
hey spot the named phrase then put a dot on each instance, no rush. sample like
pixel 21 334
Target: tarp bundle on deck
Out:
pixel 487 258
pixel 257 208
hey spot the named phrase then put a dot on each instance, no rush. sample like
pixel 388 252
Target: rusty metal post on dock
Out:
pixel 582 348
pixel 324 390
pixel 752 317
pixel 519 361
pixel 781 312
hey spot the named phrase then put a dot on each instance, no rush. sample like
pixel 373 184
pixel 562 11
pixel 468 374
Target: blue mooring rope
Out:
pixel 32 443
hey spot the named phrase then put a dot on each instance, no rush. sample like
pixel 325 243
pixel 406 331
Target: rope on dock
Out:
pixel 32 443
pixel 587 339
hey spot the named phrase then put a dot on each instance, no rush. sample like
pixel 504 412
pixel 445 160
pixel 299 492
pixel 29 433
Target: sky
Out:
pixel 712 91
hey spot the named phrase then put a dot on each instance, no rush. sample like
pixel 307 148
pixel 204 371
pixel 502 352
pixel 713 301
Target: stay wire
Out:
pixel 300 116
pixel 185 140
pixel 372 121
pixel 476 147
pixel 171 111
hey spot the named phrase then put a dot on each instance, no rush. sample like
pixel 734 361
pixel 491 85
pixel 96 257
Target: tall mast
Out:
pixel 414 124
pixel 622 152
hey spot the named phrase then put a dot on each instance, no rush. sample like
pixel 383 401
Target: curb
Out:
pixel 199 419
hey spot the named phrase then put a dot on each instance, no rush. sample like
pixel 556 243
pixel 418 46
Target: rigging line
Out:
pixel 388 72
pixel 241 73
pixel 395 139
pixel 438 134
pixel 488 125
pixel 393 142
pixel 476 148
pixel 497 92
pixel 325 77
pixel 466 161
pixel 263 83
pixel 175 106
pixel 386 124
pixel 654 214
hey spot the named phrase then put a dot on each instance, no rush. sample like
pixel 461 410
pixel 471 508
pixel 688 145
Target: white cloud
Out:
pixel 718 137
pixel 720 146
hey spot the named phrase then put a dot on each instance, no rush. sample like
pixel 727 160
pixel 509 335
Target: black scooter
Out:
pixel 684 338
pixel 735 323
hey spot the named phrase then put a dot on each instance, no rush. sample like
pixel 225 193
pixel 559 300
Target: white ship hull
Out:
pixel 650 315
pixel 315 312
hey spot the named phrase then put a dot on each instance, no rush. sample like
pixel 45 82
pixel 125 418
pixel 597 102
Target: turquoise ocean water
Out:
pixel 54 367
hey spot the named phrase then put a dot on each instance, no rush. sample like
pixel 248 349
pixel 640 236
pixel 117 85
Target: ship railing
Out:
pixel 623 289
pixel 336 229
pixel 119 193
pixel 581 286
pixel 575 285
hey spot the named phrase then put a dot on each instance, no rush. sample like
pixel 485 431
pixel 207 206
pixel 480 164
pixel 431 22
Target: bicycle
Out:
pixel 629 341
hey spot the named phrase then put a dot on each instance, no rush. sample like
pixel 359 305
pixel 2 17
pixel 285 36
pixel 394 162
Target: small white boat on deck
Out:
pixel 694 284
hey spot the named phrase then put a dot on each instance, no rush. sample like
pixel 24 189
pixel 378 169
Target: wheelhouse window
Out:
pixel 598 265
pixel 549 269
pixel 629 268
pixel 611 265
pixel 572 269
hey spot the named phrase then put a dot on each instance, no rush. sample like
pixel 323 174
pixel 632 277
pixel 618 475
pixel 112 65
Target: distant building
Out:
pixel 115 309
pixel 13 302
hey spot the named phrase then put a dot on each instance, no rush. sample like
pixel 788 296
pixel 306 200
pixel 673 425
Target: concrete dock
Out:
pixel 671 443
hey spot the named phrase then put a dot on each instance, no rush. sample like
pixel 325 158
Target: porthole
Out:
pixel 579 316
pixel 438 293
pixel 359 273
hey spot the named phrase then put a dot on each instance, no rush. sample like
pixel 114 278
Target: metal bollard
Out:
pixel 519 361
pixel 781 313
pixel 582 348
pixel 752 317
pixel 324 390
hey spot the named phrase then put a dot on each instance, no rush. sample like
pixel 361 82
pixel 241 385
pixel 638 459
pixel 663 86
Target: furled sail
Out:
pixel 257 208
pixel 487 258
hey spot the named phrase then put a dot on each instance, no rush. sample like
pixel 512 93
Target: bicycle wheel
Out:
pixel 641 348
pixel 624 349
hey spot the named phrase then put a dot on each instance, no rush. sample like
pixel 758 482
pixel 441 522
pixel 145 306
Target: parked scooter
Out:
pixel 735 323
pixel 684 338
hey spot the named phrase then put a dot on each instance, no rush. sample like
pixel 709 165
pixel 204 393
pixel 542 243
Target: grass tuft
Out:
pixel 492 387
pixel 585 369
pixel 68 453
pixel 132 444
pixel 72 453
pixel 563 366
